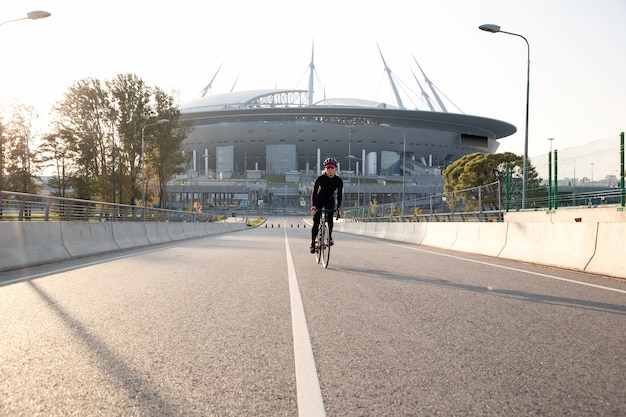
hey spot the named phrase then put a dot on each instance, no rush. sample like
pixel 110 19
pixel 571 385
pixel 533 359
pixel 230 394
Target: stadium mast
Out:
pixel 234 84
pixel 311 74
pixel 424 93
pixel 208 86
pixel 393 84
pixel 432 88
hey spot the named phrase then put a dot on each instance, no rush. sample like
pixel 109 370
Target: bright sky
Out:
pixel 578 64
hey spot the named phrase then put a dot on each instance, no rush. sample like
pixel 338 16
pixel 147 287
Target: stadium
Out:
pixel 266 146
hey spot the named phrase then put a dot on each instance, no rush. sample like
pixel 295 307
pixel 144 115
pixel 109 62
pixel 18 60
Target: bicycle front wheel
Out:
pixel 318 244
pixel 325 246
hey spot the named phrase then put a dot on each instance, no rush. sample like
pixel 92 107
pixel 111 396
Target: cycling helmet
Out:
pixel 330 161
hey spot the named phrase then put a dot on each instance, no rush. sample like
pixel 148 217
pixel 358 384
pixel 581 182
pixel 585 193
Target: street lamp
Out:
pixel 550 195
pixel 143 160
pixel 496 29
pixel 388 126
pixel 349 143
pixel 358 178
pixel 193 169
pixel 34 15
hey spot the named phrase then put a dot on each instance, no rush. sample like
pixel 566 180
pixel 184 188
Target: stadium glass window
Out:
pixel 280 159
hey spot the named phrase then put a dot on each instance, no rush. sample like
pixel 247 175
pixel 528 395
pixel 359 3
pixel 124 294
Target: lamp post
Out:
pixel 388 126
pixel 550 196
pixel 194 169
pixel 349 144
pixel 34 15
pixel 143 159
pixel 496 29
pixel 358 178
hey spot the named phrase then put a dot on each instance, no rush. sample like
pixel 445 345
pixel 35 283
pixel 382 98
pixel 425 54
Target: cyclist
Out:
pixel 323 196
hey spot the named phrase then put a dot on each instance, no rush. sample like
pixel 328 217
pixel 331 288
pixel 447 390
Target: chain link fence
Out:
pixel 482 203
pixel 589 174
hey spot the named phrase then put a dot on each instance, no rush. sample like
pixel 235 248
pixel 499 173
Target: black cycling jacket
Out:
pixel 323 192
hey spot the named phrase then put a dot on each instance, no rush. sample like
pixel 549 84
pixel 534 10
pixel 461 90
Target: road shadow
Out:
pixel 513 294
pixel 140 391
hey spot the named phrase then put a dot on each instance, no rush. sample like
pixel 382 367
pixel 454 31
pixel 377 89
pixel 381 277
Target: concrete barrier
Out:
pixel 369 229
pixel 130 234
pixel 414 233
pixel 557 244
pixel 208 229
pixel 482 238
pixel 610 255
pixel 24 244
pixel 440 235
pixel 225 228
pixel 236 227
pixel 175 231
pixel 360 227
pixel 397 231
pixel 87 238
pixel 591 247
pixel 345 227
pixel 156 232
pixel 193 230
pixel 217 228
pixel 30 243
pixel 401 232
pixel 610 213
pixel 357 228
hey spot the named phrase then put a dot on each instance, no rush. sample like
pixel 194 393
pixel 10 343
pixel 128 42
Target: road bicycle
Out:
pixel 322 241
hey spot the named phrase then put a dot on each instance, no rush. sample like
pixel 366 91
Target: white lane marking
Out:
pixel 310 402
pixel 502 266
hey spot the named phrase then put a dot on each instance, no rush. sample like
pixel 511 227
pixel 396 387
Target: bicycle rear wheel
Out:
pixel 325 245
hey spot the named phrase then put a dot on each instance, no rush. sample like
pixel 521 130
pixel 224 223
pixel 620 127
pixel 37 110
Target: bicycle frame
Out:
pixel 322 241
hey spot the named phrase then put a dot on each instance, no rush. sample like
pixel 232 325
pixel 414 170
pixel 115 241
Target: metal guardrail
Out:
pixel 32 207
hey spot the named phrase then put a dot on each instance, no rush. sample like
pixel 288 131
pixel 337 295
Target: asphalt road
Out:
pixel 247 324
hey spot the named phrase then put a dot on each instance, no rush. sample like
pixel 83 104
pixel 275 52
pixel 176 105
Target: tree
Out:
pixel 164 150
pixel 82 122
pixel 18 156
pixel 477 169
pixel 131 97
pixel 81 142
pixel 54 151
pixel 373 207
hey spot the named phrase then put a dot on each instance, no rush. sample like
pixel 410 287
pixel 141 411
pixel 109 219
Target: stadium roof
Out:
pixel 353 102
pixel 247 99
pixel 272 98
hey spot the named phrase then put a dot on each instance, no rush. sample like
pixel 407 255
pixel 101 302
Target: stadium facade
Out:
pixel 255 135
